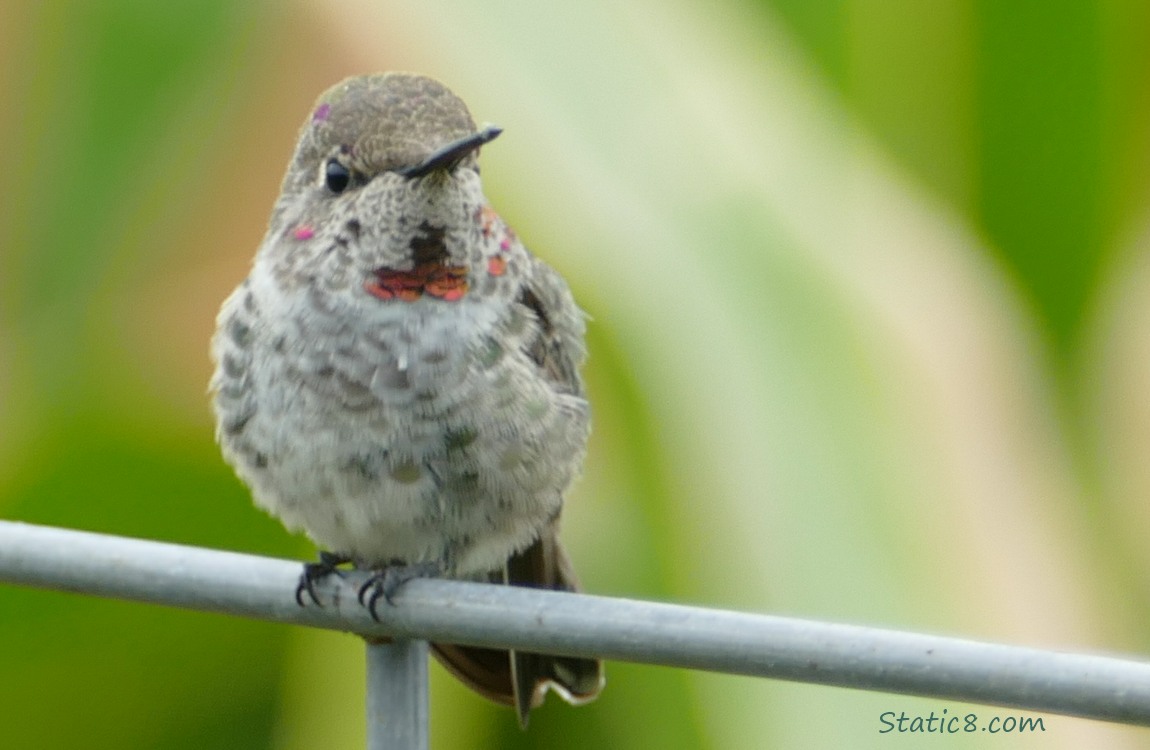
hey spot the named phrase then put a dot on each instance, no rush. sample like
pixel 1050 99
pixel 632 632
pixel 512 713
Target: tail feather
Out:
pixel 518 678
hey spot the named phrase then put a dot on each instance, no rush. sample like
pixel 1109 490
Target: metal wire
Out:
pixel 1097 687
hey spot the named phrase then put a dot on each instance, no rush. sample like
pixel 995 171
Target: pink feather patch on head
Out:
pixel 321 113
pixel 303 232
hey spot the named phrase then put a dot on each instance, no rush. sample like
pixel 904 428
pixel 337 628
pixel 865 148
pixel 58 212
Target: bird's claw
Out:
pixel 384 582
pixel 314 572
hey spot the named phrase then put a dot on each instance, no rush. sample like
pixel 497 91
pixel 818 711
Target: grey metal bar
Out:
pixel 1096 687
pixel 397 695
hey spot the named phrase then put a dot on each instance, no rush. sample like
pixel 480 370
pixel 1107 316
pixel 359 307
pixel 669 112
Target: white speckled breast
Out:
pixel 398 431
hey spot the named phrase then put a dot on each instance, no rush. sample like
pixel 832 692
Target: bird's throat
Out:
pixel 448 283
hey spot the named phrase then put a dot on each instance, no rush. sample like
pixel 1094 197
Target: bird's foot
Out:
pixel 384 582
pixel 314 572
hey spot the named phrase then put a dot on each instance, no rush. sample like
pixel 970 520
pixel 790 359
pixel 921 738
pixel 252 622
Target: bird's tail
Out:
pixel 518 678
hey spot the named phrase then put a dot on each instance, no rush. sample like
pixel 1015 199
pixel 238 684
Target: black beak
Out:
pixel 447 157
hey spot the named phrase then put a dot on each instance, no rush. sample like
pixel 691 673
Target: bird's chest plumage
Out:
pixel 420 432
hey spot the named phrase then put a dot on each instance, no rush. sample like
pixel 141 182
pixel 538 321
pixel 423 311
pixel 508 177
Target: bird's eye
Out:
pixel 336 176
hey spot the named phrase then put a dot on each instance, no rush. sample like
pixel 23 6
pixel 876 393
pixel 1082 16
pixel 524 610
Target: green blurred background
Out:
pixel 871 336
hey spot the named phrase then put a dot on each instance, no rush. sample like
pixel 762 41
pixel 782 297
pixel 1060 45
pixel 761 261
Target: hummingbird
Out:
pixel 399 377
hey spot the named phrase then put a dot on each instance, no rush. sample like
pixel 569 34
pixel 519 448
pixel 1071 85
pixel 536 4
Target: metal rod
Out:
pixel 1095 687
pixel 397 695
